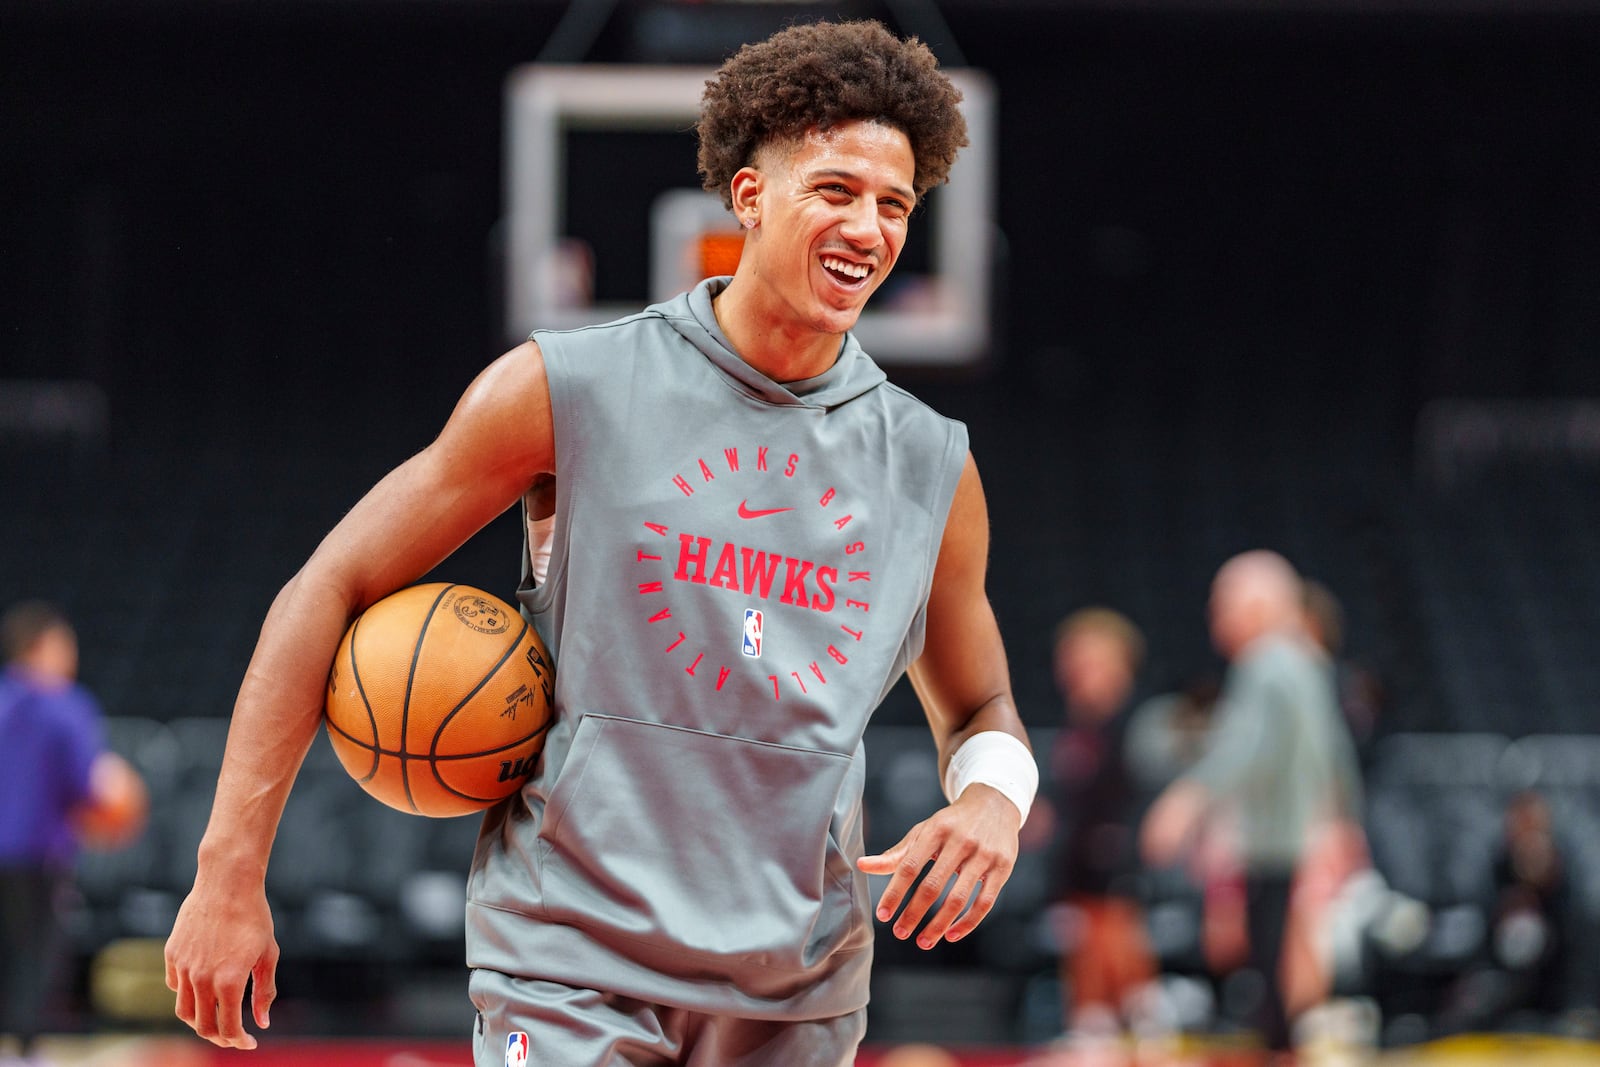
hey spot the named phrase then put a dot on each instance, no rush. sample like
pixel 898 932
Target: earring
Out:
pixel 749 222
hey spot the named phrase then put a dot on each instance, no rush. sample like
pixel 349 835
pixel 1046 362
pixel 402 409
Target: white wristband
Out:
pixel 996 759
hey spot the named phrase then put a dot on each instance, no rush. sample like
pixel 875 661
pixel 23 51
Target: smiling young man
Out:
pixel 753 537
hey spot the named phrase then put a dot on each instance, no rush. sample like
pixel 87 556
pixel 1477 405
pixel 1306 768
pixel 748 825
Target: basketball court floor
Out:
pixel 1463 1051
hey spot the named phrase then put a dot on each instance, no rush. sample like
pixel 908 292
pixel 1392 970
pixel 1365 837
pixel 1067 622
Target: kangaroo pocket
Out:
pixel 698 843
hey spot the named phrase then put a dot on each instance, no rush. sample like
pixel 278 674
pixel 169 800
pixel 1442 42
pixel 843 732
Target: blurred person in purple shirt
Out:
pixel 59 790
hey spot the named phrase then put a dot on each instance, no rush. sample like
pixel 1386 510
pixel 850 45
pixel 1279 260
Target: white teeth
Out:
pixel 854 270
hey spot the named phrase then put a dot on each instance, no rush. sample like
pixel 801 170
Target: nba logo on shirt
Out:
pixel 752 633
pixel 517 1049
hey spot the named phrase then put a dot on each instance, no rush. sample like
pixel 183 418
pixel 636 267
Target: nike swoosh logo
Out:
pixel 745 511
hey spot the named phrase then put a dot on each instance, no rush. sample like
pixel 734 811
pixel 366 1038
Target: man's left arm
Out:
pixel 964 685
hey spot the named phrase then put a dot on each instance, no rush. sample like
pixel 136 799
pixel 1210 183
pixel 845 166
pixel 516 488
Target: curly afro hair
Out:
pixel 820 75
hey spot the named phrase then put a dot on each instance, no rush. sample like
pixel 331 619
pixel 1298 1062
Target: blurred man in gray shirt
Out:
pixel 1279 757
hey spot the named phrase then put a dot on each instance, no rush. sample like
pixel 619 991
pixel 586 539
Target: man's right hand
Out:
pixel 1172 822
pixel 220 939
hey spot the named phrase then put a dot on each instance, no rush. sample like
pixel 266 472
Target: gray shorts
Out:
pixel 551 1025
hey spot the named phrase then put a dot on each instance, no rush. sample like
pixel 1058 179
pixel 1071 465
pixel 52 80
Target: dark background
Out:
pixel 1253 237
pixel 1245 246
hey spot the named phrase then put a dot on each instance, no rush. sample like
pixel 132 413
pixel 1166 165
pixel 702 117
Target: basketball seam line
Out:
pixel 411 677
pixel 433 747
pixel 355 669
pixel 451 757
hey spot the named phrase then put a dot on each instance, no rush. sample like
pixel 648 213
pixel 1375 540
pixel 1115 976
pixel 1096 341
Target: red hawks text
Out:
pixel 755 573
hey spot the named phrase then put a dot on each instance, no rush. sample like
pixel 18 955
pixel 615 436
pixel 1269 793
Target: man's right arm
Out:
pixel 1234 746
pixel 496 443
pixel 1249 734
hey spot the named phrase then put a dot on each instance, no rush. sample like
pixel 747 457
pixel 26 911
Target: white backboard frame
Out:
pixel 951 327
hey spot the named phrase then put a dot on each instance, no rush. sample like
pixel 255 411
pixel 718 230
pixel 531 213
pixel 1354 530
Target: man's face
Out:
pixel 1093 673
pixel 1229 622
pixel 1241 610
pixel 53 658
pixel 834 209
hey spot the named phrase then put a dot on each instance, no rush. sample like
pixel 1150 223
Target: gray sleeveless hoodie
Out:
pixel 739 575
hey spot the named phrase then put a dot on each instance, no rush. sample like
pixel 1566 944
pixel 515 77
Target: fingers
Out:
pixel 924 897
pixel 221 942
pixel 956 900
pixel 973 875
pixel 973 887
pixel 882 863
pixel 968 849
pixel 903 864
pixel 212 1006
pixel 185 1005
pixel 214 1011
pixel 988 891
pixel 264 987
pixel 229 1014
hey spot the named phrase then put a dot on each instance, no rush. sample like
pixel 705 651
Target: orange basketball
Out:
pixel 119 805
pixel 439 699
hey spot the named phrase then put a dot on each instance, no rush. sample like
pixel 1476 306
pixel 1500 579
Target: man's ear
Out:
pixel 746 187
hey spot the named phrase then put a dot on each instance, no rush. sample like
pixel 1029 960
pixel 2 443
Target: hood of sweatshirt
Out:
pixel 852 374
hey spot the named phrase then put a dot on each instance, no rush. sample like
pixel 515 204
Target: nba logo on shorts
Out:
pixel 517 1049
pixel 752 633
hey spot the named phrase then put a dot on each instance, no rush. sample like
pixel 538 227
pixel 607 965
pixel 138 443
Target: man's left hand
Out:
pixel 973 846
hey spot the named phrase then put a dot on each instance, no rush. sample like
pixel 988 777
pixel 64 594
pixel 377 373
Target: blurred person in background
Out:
pixel 60 789
pixel 1533 907
pixel 1359 689
pixel 1105 955
pixel 1167 734
pixel 1278 757
pixel 1538 967
pixel 1337 848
